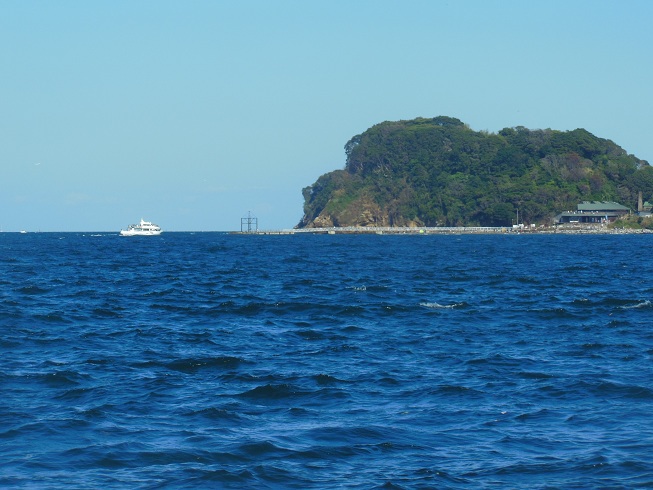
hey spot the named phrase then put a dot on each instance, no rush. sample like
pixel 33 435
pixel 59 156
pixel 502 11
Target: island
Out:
pixel 438 172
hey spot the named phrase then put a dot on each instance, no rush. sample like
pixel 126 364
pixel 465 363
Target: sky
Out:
pixel 194 113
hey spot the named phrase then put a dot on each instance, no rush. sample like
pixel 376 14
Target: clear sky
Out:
pixel 192 113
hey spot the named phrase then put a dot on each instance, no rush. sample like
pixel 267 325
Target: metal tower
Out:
pixel 249 224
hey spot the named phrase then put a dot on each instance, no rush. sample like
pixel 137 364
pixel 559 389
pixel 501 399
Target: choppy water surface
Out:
pixel 223 361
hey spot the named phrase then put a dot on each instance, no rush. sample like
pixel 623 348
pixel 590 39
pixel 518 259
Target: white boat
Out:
pixel 144 228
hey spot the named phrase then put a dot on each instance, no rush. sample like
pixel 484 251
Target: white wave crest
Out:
pixel 643 304
pixel 439 306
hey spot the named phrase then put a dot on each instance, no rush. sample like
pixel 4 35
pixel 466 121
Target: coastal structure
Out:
pixel 593 212
pixel 249 223
pixel 643 208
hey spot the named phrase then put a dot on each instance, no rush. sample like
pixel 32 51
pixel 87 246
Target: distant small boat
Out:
pixel 23 231
pixel 144 228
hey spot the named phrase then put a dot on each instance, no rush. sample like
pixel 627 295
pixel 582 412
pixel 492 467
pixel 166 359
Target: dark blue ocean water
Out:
pixel 225 361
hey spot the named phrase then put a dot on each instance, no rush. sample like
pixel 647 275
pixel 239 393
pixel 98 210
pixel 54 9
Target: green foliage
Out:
pixel 633 222
pixel 440 172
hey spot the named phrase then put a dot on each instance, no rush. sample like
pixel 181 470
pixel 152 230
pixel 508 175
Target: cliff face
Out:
pixel 439 172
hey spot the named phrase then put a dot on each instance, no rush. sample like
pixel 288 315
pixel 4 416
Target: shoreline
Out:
pixel 462 230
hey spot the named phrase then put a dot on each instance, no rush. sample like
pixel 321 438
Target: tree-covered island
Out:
pixel 439 172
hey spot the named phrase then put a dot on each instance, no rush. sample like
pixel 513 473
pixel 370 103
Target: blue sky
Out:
pixel 193 113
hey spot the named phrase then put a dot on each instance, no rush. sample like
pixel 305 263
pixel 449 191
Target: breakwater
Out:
pixel 454 230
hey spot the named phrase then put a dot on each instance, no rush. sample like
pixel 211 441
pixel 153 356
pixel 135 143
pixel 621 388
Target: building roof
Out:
pixel 601 206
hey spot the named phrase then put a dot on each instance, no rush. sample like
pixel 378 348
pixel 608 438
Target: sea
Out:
pixel 216 360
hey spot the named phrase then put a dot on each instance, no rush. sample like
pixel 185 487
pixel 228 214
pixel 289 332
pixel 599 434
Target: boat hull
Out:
pixel 138 233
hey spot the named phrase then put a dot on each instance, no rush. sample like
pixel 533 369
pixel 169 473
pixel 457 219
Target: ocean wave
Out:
pixel 555 313
pixel 107 312
pixel 438 306
pixel 619 303
pixel 638 304
pixel 370 289
pixel 455 390
pixel 310 334
pixel 193 365
pixel 273 392
pixel 62 378
pixel 325 379
pixel 260 449
pixel 32 290
pixel 215 413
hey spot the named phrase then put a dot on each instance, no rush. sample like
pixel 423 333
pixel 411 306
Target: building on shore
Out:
pixel 593 212
pixel 643 208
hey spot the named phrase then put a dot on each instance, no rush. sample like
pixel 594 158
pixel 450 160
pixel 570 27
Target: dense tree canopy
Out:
pixel 439 172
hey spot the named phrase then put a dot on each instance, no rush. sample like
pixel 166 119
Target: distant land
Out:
pixel 439 172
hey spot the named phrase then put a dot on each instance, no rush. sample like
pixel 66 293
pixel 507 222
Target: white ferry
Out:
pixel 144 228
